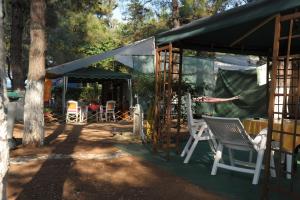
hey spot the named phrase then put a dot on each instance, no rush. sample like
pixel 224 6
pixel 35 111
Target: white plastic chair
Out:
pixel 230 133
pixel 198 132
pixel 84 114
pixel 100 114
pixel 110 110
pixel 73 112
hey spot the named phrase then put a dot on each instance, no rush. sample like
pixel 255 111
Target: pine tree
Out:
pixel 34 102
pixel 4 149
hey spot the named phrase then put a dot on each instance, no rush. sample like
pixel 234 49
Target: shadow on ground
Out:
pixel 231 185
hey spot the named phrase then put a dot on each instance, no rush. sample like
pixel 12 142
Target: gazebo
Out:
pixel 78 71
pixel 264 28
pixel 116 85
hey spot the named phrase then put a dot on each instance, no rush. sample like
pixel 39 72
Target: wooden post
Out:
pixel 179 94
pixel 271 107
pixel 169 101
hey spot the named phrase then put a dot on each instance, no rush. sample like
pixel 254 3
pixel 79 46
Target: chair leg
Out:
pixel 191 150
pixel 218 157
pixel 272 164
pixel 213 144
pixel 288 166
pixel 250 156
pixel 114 117
pixel 186 147
pixel 259 160
pixel 231 157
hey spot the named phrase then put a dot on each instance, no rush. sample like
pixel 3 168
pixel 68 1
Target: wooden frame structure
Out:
pixel 284 95
pixel 168 76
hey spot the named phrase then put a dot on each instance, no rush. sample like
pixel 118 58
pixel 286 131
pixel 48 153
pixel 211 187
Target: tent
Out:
pixel 95 74
pixel 128 55
pixel 124 54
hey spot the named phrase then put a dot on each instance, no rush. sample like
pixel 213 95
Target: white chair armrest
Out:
pixel 260 140
pixel 198 122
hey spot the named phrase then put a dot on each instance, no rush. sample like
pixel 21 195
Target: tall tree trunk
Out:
pixel 175 13
pixel 16 45
pixel 34 101
pixel 4 150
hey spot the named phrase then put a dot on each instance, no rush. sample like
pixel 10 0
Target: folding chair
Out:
pixel 198 132
pixel 230 133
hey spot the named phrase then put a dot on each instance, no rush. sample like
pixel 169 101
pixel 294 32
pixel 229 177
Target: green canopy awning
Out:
pixel 252 23
pixel 96 73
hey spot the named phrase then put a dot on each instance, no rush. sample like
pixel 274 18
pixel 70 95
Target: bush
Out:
pixel 91 92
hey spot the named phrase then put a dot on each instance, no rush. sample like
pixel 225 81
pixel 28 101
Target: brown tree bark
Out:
pixel 16 45
pixel 34 102
pixel 175 14
pixel 4 149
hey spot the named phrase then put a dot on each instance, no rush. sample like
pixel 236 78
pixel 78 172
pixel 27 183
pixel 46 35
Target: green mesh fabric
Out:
pixel 253 98
pixel 199 73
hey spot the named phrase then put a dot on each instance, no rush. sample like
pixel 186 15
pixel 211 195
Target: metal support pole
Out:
pixel 130 91
pixel 65 86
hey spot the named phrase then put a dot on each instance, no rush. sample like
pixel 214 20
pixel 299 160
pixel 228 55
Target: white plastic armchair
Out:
pixel 230 133
pixel 100 114
pixel 110 110
pixel 198 131
pixel 73 112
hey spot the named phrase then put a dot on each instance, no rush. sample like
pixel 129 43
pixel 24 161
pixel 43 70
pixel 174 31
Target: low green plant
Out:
pixel 47 110
pixel 91 92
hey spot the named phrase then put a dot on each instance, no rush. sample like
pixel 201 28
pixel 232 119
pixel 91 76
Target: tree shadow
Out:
pixel 43 187
pixel 59 130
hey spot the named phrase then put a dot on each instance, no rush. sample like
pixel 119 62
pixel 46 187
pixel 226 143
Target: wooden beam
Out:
pixel 179 94
pixel 169 100
pixel 292 37
pixel 266 180
pixel 155 131
pixel 252 31
pixel 163 48
pixel 290 16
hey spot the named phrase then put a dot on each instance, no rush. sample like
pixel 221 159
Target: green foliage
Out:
pixel 47 110
pixel 80 29
pixel 144 86
pixel 91 93
pixel 102 46
pixel 144 19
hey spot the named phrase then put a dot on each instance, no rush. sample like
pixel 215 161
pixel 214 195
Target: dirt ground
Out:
pixel 81 162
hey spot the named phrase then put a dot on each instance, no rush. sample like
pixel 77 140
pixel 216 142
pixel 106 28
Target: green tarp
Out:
pixel 14 95
pixel 218 32
pixel 96 73
pixel 253 98
pixel 144 64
